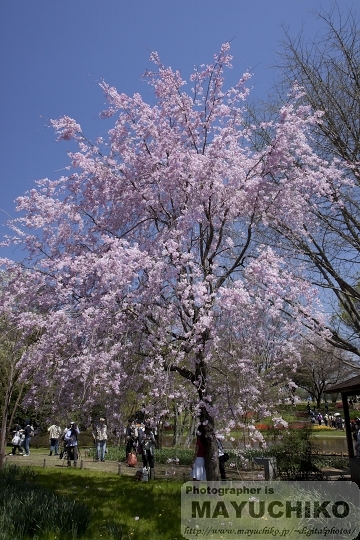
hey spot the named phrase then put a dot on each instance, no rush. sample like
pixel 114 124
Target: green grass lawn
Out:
pixel 333 433
pixel 122 508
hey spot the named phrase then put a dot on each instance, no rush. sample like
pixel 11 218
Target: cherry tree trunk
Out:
pixel 211 448
pixel 3 433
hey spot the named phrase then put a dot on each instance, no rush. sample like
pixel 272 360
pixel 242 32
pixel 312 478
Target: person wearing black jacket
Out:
pixel 221 455
pixel 71 440
pixel 28 432
pixel 130 437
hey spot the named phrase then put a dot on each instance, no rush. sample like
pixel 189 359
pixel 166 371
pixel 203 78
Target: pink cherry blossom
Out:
pixel 147 268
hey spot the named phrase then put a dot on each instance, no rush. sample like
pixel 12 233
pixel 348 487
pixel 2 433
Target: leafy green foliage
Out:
pixel 337 462
pixel 296 455
pixel 163 455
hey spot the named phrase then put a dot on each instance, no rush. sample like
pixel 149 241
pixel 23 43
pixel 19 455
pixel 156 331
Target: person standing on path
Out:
pixel 71 440
pixel 130 437
pixel 28 433
pixel 54 437
pixel 100 438
pixel 221 455
pixel 16 441
pixel 198 468
pixel 147 442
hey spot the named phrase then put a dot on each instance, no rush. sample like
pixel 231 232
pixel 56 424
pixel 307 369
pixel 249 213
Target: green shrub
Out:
pixel 183 455
pixel 163 455
pixel 337 462
pixel 296 455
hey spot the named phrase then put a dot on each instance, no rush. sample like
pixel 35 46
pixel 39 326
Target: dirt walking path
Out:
pixel 41 458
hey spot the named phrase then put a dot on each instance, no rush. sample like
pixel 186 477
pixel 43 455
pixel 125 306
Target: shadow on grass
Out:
pixel 145 510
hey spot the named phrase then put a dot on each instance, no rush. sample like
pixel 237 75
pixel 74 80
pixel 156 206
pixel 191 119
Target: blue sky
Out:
pixel 54 53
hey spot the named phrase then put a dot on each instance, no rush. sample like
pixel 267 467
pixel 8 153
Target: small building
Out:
pixel 348 388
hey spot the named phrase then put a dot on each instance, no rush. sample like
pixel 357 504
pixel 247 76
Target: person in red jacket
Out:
pixel 198 468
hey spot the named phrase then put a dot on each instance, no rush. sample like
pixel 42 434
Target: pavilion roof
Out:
pixel 350 386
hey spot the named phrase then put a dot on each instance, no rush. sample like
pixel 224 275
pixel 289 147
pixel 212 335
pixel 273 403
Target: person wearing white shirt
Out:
pixel 54 437
pixel 100 438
